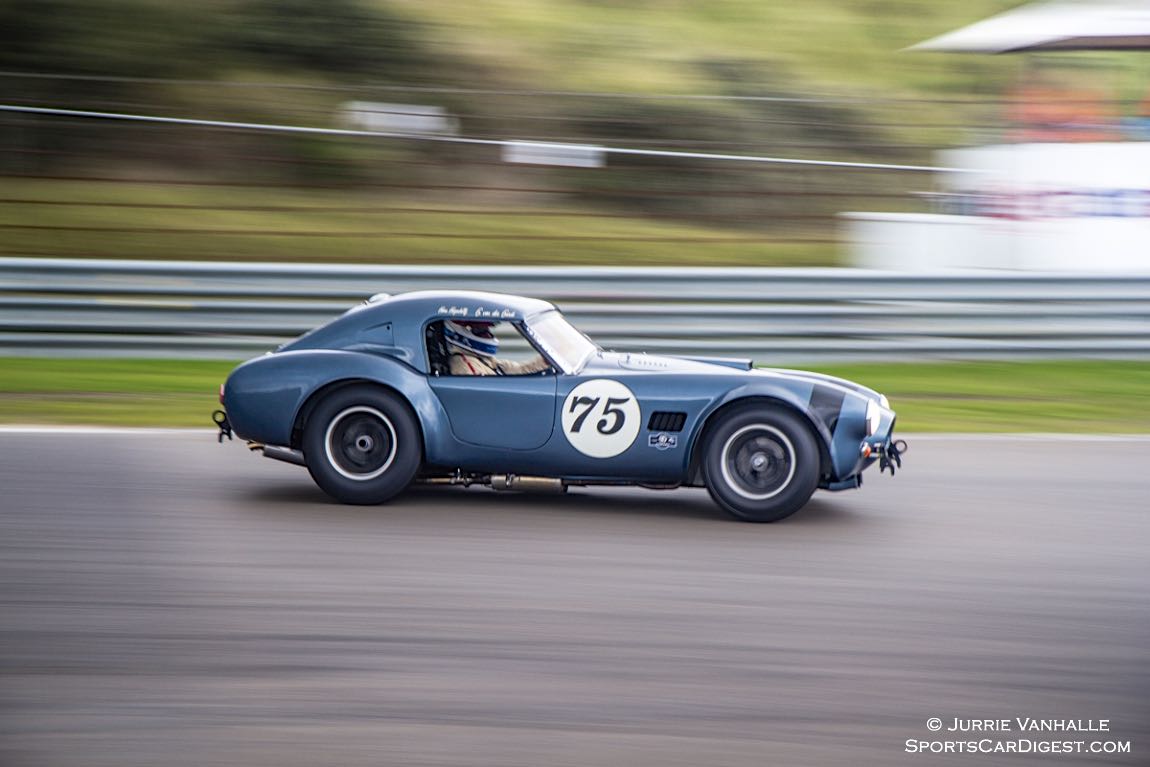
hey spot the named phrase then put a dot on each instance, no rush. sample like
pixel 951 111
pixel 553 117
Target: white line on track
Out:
pixel 1021 437
pixel 909 436
pixel 103 430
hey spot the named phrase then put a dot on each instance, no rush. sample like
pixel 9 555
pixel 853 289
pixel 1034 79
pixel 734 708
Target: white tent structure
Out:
pixel 1058 205
pixel 1053 26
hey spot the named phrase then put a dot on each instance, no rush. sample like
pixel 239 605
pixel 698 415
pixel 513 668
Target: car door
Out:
pixel 507 412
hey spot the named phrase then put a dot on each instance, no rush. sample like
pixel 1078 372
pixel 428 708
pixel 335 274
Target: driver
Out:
pixel 473 348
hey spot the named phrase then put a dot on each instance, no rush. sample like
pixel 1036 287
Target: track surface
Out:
pixel 167 601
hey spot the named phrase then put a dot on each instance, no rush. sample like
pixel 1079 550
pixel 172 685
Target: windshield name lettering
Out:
pixel 495 314
pixel 480 313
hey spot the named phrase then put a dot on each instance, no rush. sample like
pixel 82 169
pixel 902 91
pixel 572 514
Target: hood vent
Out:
pixel 643 362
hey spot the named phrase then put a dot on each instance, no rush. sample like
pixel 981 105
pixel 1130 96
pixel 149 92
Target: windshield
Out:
pixel 559 339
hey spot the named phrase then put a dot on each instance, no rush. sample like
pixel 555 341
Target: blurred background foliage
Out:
pixel 207 40
pixel 823 79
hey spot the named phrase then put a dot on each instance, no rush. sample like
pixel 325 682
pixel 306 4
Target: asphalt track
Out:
pixel 167 601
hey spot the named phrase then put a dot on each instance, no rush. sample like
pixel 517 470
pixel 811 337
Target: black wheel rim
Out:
pixel 758 462
pixel 360 443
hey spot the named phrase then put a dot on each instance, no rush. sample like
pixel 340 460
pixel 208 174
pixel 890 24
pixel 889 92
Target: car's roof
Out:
pixel 470 304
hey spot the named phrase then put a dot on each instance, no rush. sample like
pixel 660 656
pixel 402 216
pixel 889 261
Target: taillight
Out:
pixel 221 394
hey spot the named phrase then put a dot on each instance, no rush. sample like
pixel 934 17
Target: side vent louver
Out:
pixel 663 421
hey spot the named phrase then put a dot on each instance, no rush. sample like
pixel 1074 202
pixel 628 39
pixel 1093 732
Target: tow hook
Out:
pixel 220 418
pixel 890 457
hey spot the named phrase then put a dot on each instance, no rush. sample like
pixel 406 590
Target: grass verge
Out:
pixel 1071 396
pixel 211 223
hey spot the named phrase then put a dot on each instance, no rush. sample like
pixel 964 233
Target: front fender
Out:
pixel 834 427
pixel 797 397
pixel 264 396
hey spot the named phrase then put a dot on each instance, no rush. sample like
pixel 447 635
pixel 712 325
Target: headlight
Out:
pixel 874 413
pixel 882 400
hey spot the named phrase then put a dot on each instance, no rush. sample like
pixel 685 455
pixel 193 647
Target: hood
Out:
pixel 608 362
pixel 654 363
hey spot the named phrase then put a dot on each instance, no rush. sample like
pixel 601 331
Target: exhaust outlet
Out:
pixel 285 454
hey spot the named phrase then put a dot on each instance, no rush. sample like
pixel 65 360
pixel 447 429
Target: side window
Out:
pixel 438 355
pixel 496 348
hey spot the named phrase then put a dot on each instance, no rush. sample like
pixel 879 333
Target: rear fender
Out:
pixel 269 398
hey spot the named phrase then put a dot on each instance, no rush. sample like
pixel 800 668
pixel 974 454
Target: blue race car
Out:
pixel 465 388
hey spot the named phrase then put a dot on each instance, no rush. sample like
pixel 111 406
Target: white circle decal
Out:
pixel 601 418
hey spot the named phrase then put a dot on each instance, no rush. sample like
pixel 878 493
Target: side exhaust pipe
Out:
pixel 278 453
pixel 527 484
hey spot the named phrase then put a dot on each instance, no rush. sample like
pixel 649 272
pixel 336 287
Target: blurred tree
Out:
pixel 345 37
pixel 123 38
pixel 159 38
pixel 118 55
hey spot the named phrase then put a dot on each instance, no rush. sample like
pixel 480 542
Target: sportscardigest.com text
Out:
pixel 1021 735
pixel 1018 746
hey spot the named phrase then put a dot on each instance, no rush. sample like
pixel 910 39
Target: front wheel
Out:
pixel 362 445
pixel 762 464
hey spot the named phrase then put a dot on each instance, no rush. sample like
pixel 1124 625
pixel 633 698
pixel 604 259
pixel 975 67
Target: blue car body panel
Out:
pixel 505 412
pixel 531 424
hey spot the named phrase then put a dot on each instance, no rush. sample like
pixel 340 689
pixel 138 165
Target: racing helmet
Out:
pixel 472 337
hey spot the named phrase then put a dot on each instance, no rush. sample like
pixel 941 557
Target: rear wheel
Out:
pixel 362 445
pixel 761 464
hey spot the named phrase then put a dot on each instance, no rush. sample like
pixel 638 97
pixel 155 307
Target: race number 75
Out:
pixel 601 418
pixel 610 411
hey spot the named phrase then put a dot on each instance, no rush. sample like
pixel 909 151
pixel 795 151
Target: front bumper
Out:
pixel 881 447
pixel 888 452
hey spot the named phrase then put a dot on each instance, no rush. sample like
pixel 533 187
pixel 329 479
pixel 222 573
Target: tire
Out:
pixel 761 464
pixel 362 445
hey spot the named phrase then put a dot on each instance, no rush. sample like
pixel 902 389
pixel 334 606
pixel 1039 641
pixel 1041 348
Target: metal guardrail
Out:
pixel 232 310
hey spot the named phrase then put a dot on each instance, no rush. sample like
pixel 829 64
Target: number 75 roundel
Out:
pixel 601 418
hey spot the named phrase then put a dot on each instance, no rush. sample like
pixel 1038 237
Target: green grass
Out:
pixel 1064 396
pixel 110 392
pixel 1087 396
pixel 264 224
